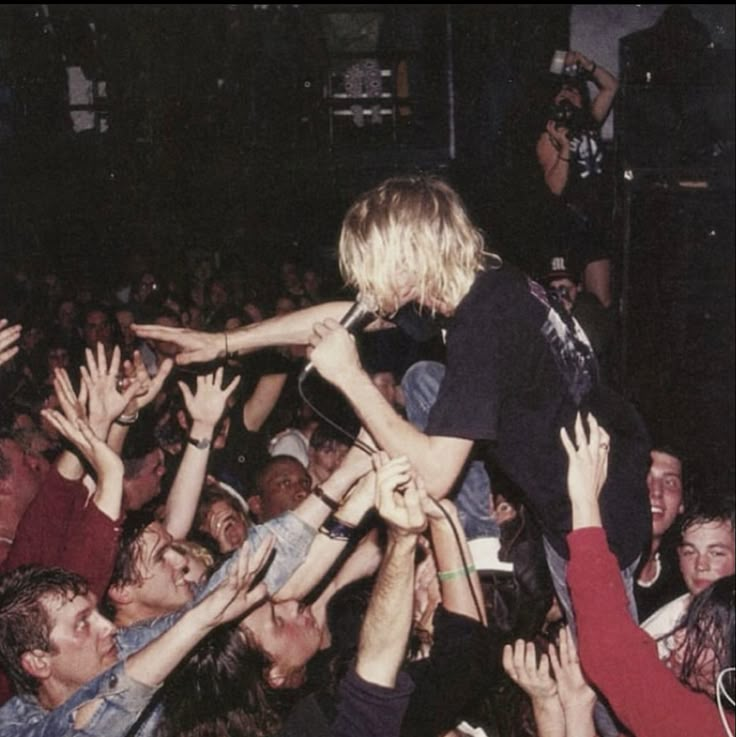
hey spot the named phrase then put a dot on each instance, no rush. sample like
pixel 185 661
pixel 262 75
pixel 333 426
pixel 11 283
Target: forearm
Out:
pixel 387 622
pixel 181 505
pixel 116 436
pixel 260 404
pixel 292 329
pixel 460 586
pixel 437 460
pixel 108 496
pixel 153 663
pixel 557 175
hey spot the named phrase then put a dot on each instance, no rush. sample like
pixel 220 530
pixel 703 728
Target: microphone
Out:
pixel 354 320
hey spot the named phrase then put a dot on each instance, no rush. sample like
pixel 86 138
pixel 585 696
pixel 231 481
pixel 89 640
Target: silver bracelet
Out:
pixel 127 419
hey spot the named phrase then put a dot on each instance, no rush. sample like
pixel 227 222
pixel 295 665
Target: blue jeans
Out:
pixel 421 384
pixel 558 570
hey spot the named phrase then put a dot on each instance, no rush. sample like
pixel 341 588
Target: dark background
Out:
pixel 215 133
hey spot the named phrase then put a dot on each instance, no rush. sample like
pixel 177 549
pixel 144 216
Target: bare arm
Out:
pixel 205 408
pixel 258 406
pixel 383 637
pixel 603 79
pixel 437 459
pixel 196 346
pixel 457 583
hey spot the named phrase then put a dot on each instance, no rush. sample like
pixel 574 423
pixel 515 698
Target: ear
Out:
pixel 255 505
pixel 37 663
pixel 681 508
pixel 120 594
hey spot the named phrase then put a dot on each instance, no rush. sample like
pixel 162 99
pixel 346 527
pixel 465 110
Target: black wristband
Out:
pixel 336 530
pixel 319 492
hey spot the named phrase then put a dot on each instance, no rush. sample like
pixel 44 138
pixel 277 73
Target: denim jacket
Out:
pixel 122 700
pixel 293 540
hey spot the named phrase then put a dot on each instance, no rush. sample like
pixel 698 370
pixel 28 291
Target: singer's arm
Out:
pixel 292 329
pixel 437 459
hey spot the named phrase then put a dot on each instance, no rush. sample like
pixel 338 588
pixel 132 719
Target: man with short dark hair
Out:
pixel 281 485
pixel 63 660
pixel 658 580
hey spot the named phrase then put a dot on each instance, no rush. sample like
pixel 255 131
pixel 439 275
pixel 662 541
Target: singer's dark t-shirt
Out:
pixel 519 369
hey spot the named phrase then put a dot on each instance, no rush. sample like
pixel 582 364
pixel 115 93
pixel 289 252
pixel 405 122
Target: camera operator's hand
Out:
pixel 558 135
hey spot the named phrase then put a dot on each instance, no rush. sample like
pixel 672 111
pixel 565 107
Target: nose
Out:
pixel 655 487
pixel 702 563
pixel 176 559
pixel 104 625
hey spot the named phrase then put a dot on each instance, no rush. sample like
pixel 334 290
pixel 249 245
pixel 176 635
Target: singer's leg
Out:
pixel 420 384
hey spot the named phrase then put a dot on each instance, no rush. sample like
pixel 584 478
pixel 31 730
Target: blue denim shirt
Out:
pixel 293 540
pixel 122 700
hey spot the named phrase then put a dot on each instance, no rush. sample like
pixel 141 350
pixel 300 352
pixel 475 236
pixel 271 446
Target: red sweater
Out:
pixel 63 527
pixel 621 659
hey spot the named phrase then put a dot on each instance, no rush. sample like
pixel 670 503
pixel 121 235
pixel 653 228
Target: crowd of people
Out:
pixel 197 540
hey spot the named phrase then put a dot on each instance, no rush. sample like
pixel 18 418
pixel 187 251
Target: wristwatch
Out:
pixel 200 443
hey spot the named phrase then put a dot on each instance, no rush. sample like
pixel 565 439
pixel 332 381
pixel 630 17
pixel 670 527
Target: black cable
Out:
pixel 355 440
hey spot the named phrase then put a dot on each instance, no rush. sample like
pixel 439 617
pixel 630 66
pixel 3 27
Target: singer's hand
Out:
pixel 332 351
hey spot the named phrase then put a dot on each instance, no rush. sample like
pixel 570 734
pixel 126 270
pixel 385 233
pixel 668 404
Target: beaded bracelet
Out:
pixel 457 573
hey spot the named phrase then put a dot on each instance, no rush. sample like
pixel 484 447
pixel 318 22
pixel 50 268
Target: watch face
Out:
pixel 201 443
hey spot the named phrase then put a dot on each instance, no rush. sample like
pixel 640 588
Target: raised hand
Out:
pixel 400 500
pixel 148 386
pixel 106 403
pixel 206 406
pixel 8 336
pixel 587 470
pixel 573 689
pixel 520 663
pixel 79 432
pixel 194 346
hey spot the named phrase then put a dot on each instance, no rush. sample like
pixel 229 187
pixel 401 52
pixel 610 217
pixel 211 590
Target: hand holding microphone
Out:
pixel 354 320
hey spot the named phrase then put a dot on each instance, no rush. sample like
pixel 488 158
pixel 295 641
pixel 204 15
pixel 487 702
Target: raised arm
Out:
pixel 606 83
pixel 205 407
pixel 383 638
pixel 196 346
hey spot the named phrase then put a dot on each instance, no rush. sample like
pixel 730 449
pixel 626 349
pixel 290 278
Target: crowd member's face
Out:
pixel 26 471
pixel 327 458
pixel 570 93
pixel 67 314
pixel 226 525
pixel 164 585
pixel 289 635
pixel 147 483
pixel 125 319
pixel 284 485
pixel 567 290
pixel 706 554
pixel 385 382
pixel 97 329
pixel 664 482
pixel 82 643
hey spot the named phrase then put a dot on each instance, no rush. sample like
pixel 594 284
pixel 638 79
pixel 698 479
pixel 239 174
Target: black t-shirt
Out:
pixel 517 371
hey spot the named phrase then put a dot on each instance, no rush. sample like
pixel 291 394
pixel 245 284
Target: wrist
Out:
pixel 402 541
pixel 201 429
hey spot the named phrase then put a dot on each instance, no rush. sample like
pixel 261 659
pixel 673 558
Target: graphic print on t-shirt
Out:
pixel 570 347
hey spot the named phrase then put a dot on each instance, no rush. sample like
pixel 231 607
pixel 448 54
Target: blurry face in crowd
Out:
pixel 57 357
pixel 706 553
pixel 567 291
pixel 146 484
pixel 97 329
pixel 67 314
pixel 125 319
pixel 664 482
pixel 325 459
pixel 284 485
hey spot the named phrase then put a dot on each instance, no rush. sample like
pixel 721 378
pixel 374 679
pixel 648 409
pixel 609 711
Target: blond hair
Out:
pixel 413 224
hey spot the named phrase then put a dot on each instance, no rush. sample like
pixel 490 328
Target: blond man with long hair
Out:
pixel 517 368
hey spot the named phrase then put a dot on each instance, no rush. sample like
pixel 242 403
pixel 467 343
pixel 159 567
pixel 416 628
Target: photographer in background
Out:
pixel 570 154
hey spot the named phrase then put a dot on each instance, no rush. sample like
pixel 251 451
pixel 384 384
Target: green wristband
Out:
pixel 457 573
